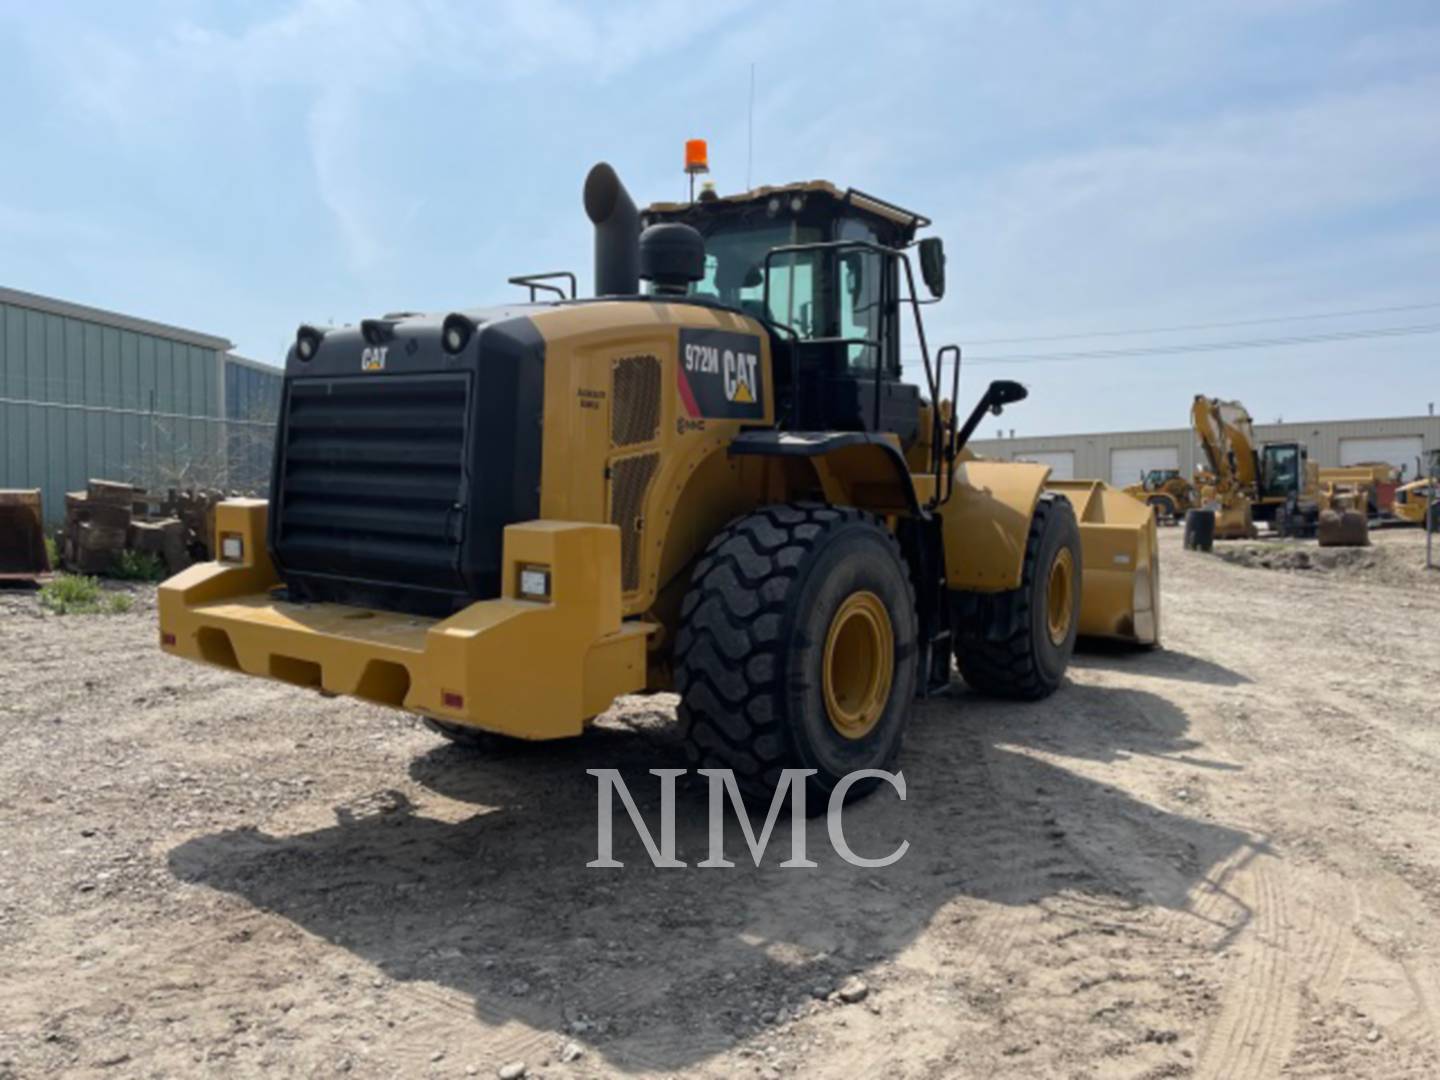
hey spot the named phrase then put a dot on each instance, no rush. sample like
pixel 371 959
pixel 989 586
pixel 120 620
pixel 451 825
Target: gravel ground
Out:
pixel 1214 859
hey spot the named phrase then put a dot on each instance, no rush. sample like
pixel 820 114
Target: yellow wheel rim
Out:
pixel 1060 596
pixel 859 664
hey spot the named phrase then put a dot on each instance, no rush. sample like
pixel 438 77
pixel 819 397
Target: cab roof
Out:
pixel 908 221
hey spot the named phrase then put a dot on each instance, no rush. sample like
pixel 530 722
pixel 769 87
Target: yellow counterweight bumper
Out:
pixel 530 668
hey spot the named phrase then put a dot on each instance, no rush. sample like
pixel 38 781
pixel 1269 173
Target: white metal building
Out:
pixel 1122 457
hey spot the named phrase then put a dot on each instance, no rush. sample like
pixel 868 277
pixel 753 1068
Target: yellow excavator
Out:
pixel 1274 483
pixel 720 484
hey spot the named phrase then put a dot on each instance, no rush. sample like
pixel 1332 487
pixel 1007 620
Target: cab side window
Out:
pixel 860 277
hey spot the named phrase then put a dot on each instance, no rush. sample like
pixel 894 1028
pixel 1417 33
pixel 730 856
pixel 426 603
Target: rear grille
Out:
pixel 371 482
pixel 629 483
pixel 634 400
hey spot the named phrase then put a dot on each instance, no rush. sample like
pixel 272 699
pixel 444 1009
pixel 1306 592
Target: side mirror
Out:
pixel 932 265
pixel 753 278
pixel 1004 392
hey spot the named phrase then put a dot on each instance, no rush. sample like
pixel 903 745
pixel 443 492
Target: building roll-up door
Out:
pixel 1061 462
pixel 1129 464
pixel 1398 450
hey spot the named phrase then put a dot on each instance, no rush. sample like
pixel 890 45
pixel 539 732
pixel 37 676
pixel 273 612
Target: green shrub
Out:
pixel 71 594
pixel 139 566
pixel 76 594
pixel 52 551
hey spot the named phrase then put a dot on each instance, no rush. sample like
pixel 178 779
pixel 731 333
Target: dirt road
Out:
pixel 1217 859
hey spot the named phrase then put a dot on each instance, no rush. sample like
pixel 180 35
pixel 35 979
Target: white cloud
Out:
pixel 1143 221
pixel 339 55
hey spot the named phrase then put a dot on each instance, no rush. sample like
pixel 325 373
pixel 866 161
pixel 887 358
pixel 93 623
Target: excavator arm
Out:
pixel 1227 435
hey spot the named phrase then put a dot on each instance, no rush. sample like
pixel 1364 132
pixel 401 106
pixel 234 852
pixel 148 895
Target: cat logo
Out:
pixel 719 375
pixel 739 371
pixel 373 358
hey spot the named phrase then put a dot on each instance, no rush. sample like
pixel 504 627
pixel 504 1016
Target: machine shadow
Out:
pixel 1102 654
pixel 491 897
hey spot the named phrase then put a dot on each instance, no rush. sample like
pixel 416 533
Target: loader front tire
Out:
pixel 797 649
pixel 1163 507
pixel 1017 644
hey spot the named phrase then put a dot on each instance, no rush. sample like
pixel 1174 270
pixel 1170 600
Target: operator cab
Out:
pixel 826 271
pixel 1156 479
pixel 1282 470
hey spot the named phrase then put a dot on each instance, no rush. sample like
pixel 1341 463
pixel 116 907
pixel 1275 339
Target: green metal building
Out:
pixel 87 393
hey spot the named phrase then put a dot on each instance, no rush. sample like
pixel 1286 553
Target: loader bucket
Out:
pixel 1120 562
pixel 1342 528
pixel 22 536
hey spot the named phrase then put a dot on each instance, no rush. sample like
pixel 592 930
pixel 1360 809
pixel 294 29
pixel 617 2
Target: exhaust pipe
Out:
pixel 617 233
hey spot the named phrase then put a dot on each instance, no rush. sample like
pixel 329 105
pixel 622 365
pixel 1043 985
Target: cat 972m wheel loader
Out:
pixel 501 519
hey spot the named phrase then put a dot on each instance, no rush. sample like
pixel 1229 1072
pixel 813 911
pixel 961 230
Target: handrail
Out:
pixel 836 246
pixel 948 454
pixel 541 281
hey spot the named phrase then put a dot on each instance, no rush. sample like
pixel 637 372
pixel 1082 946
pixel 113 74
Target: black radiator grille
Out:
pixel 371 481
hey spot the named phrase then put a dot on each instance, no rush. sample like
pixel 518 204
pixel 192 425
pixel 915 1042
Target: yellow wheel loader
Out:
pixel 1168 494
pixel 1421 496
pixel 501 519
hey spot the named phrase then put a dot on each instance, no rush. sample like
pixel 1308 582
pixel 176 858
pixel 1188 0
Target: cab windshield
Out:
pixel 799 298
pixel 1284 469
pixel 735 273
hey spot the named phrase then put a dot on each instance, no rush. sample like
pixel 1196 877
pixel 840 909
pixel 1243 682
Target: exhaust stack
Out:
pixel 617 233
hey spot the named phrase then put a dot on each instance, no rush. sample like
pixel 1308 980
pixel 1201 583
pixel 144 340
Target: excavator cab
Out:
pixel 1282 470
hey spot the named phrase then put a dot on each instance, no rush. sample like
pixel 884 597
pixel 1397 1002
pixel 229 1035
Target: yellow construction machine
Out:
pixel 503 518
pixel 1274 482
pixel 1168 494
pixel 1421 496
pixel 1369 486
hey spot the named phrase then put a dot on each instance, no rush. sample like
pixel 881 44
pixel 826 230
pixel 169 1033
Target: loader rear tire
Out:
pixel 797 650
pixel 1017 644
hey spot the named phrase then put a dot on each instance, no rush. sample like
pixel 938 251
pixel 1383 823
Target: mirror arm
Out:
pixel 971 422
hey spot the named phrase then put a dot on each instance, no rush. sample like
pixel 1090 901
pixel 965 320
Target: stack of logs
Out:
pixel 108 518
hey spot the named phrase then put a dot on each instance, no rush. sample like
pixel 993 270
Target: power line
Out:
pixel 1209 325
pixel 1210 346
pixel 911 356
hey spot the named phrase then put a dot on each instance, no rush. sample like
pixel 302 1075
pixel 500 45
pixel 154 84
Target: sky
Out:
pixel 240 168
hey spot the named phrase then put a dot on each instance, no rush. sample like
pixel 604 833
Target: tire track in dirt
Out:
pixel 1071 946
pixel 1294 945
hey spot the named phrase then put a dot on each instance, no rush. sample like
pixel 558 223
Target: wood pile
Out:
pixel 109 518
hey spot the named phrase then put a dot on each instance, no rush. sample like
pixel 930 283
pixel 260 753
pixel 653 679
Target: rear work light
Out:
pixel 232 548
pixel 535 582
